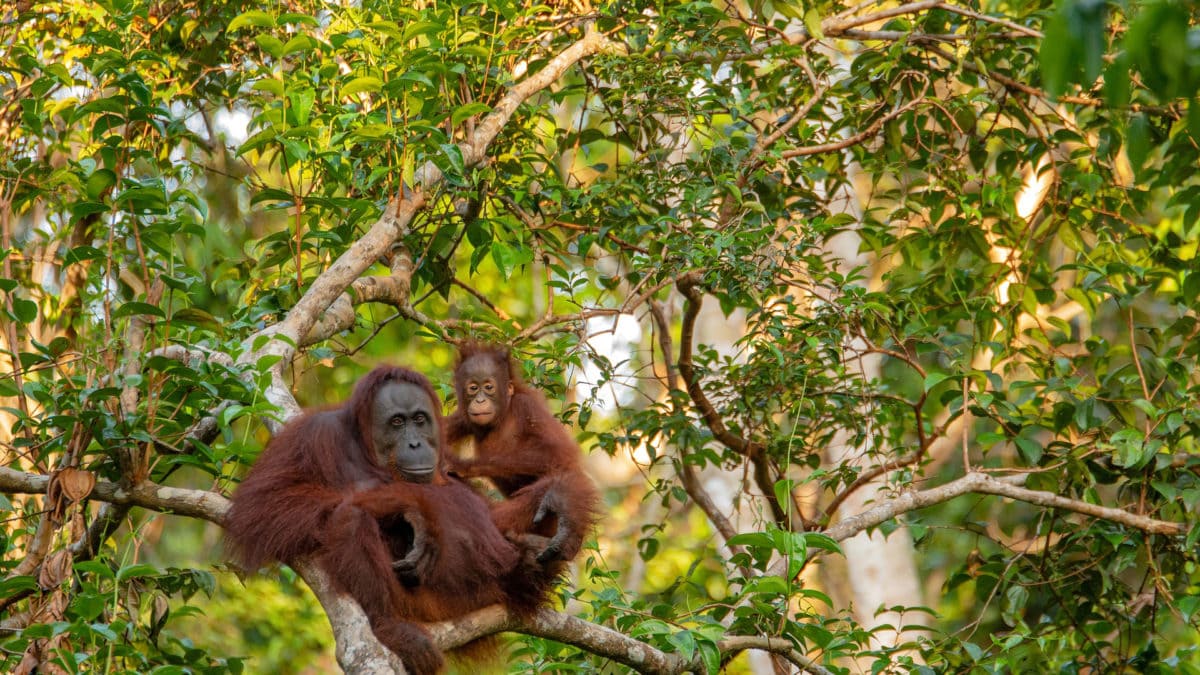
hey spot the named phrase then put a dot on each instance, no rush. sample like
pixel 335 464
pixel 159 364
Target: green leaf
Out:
pixel 752 539
pixel 812 21
pixel 684 643
pixel 1031 450
pixel 132 308
pixel 359 85
pixel 651 627
pixel 134 571
pixel 934 379
pixel 454 154
pixel 96 567
pixel 1130 448
pixel 469 110
pixel 1138 144
pixel 505 257
pixel 254 17
pixel 712 657
pixel 1116 82
pixel 26 311
pixel 418 28
pixel 821 541
pixel 268 84
pixel 269 44
pixel 299 43
pixel 197 317
pixel 99 182
pixel 1055 57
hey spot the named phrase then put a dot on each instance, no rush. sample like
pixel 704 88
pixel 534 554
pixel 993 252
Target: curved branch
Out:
pixel 390 290
pixel 977 482
pixel 603 641
pixel 712 419
pixel 327 288
pixel 855 139
pixel 982 483
pixel 753 451
pixel 736 644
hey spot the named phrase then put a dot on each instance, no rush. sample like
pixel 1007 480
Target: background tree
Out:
pixel 841 298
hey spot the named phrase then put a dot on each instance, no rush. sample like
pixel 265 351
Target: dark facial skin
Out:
pixel 404 431
pixel 484 389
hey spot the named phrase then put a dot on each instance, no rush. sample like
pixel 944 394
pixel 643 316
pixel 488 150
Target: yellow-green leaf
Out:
pixel 269 84
pixel 469 110
pixel 812 21
pixel 254 17
pixel 362 84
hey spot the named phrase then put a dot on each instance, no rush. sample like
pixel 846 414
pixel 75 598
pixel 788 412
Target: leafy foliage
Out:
pixel 863 249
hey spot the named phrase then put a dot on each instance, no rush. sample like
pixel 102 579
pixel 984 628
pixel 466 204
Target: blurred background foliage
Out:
pixel 775 262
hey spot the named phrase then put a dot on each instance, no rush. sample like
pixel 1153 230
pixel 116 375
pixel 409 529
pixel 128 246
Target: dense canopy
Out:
pixel 878 322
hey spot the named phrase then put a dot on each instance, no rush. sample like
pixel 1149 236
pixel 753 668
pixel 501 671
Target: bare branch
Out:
pixel 964 11
pixel 202 504
pixel 602 641
pixel 982 483
pixel 192 355
pixel 546 623
pixel 854 139
pixel 838 25
pixel 767 643
pixel 355 647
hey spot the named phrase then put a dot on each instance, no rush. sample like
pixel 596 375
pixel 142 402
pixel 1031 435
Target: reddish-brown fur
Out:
pixel 318 490
pixel 527 452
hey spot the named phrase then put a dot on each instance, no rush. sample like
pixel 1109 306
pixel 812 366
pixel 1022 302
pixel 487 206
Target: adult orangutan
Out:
pixel 522 449
pixel 359 487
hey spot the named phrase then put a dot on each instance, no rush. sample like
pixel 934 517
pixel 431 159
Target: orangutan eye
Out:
pixel 397 420
pixel 420 418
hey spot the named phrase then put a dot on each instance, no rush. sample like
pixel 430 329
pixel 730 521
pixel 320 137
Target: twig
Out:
pixel 853 139
pixel 964 11
pixel 982 483
pixel 840 25
pixel 603 641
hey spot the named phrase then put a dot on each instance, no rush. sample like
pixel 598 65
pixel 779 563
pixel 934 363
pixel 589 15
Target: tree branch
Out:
pixel 201 504
pixel 977 482
pixel 982 483
pixel 854 139
pixel 603 641
pixel 283 338
pixel 753 451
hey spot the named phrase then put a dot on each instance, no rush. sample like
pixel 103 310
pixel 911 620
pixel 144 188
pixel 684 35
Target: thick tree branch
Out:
pixel 202 504
pixel 358 652
pixel 602 641
pixel 837 25
pixel 982 483
pixel 390 290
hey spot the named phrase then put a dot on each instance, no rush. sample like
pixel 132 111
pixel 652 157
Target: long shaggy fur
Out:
pixel 318 490
pixel 526 453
